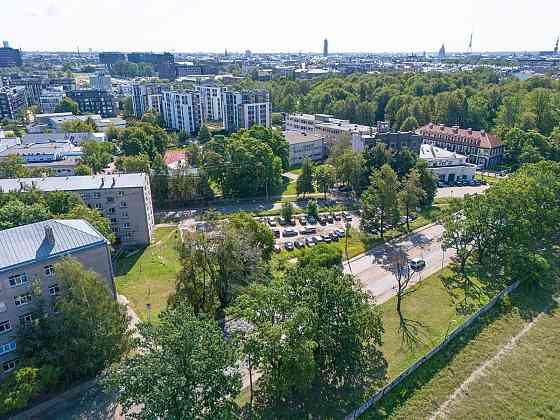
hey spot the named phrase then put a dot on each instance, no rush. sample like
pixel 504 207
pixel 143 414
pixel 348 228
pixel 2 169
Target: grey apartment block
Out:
pixel 27 258
pixel 125 199
pixel 243 109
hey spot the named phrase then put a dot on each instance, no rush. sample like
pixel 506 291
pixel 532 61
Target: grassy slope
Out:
pixel 152 269
pixel 424 391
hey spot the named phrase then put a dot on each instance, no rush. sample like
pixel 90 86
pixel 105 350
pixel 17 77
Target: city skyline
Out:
pixel 171 25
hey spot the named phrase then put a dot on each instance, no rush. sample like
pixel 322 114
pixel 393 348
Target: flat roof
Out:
pixel 75 183
pixel 295 137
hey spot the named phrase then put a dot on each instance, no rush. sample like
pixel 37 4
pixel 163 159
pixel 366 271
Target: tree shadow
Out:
pixel 466 293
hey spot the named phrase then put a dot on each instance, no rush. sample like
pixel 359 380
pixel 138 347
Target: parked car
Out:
pixel 330 218
pixel 417 264
pixel 292 222
pixel 290 232
pixel 282 221
pixel 277 248
pixel 309 242
pixel 303 220
pixel 300 243
pixel 334 236
pixel 311 220
pixel 348 217
pixel 326 238
pixel 318 239
pixel 340 232
pixel 441 184
pixel 310 229
pixel 289 245
pixel 337 217
pixel 272 221
pixel 322 220
pixel 276 233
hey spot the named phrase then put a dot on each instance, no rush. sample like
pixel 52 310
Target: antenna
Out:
pixel 556 46
pixel 469 50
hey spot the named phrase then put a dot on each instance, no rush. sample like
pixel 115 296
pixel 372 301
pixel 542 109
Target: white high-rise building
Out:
pixel 243 109
pixel 146 97
pixel 181 111
pixel 210 102
pixel 100 81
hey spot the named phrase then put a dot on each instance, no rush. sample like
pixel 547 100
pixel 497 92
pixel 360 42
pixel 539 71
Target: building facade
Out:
pixel 146 97
pixel 125 200
pixel 332 129
pixel 92 101
pixel 243 109
pixel 481 148
pixel 29 263
pixel 110 58
pixel 101 81
pixel 12 100
pixel 50 98
pixel 447 166
pixel 210 102
pixel 303 146
pixel 10 57
pixel 181 111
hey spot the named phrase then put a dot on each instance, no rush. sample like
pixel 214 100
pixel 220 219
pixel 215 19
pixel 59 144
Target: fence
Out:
pixel 389 387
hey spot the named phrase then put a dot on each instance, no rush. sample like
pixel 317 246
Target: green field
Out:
pixel 431 385
pixel 148 275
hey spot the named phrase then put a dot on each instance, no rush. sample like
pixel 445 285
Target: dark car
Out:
pixel 303 220
pixel 292 222
pixel 289 246
pixel 334 236
pixel 337 217
pixel 276 233
pixel 322 220
pixel 300 243
pixel 330 218
pixel 309 242
pixel 290 232
pixel 310 229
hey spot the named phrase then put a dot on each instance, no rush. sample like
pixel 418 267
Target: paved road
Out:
pixel 424 243
pixel 459 192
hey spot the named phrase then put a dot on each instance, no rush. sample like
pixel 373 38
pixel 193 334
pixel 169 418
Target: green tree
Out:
pixel 181 368
pixel 312 209
pixel 97 155
pixel 61 202
pixel 380 204
pixel 17 390
pixel 404 160
pixel 304 183
pixel 89 314
pixel 287 211
pixel 204 135
pixel 133 164
pixel 315 336
pixel 82 170
pixel 15 213
pixel 321 256
pixel 325 178
pixel 429 183
pixel 410 124
pixel 411 194
pixel 67 105
pixel 377 156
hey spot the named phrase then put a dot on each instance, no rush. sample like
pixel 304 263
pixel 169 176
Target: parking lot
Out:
pixel 307 232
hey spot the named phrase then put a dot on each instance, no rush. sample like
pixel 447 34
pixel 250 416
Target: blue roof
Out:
pixel 28 244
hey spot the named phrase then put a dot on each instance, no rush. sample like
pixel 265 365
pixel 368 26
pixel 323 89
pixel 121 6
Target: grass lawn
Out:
pixel 148 276
pixel 489 179
pixel 424 391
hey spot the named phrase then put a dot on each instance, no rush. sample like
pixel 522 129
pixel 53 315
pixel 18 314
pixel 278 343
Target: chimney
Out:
pixel 49 235
pixel 455 129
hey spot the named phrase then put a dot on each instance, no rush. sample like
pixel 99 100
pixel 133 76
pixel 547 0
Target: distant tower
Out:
pixel 556 46
pixel 469 49
pixel 225 54
pixel 6 44
pixel 325 48
pixel 441 53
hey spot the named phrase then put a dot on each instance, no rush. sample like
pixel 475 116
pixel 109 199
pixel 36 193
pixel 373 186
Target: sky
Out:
pixel 280 26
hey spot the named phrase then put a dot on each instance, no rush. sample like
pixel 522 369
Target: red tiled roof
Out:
pixel 174 156
pixel 460 136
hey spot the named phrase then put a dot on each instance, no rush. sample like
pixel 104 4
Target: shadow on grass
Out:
pixel 528 304
pixel 124 263
pixel 468 294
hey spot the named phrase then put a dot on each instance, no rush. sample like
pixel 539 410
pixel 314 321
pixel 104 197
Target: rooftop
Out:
pixel 295 137
pixel 75 183
pixel 458 135
pixel 44 240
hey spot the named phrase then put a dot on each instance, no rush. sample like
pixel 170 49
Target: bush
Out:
pixel 18 389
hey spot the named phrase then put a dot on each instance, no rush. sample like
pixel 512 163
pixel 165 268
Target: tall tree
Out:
pixel 204 135
pixel 325 178
pixel 304 183
pixel 411 194
pixel 97 155
pixel 429 183
pixel 180 368
pixel 67 105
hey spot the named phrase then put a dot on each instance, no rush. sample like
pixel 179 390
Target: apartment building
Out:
pixel 125 199
pixel 243 109
pixel 181 111
pixel 93 101
pixel 110 58
pixel 481 148
pixel 12 100
pixel 210 102
pixel 101 81
pixel 146 97
pixel 27 258
pixel 303 145
pixel 10 57
pixel 50 98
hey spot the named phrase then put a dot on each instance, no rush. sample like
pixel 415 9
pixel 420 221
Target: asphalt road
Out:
pixel 376 279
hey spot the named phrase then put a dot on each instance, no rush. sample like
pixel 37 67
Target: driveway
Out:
pixel 425 243
pixel 459 192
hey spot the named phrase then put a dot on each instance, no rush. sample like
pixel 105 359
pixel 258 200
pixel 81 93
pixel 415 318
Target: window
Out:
pixel 124 214
pixel 49 270
pixel 9 365
pixel 18 280
pixel 8 347
pixel 23 300
pixel 126 225
pixel 123 204
pixel 29 317
pixel 96 195
pixel 120 193
pixel 5 326
pixel 110 199
pixel 54 289
pixel 98 206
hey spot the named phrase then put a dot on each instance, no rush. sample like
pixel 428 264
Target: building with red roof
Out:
pixel 483 149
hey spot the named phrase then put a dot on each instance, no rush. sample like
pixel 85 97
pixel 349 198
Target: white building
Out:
pixel 243 109
pixel 333 129
pixel 50 98
pixel 445 165
pixel 304 145
pixel 146 96
pixel 210 102
pixel 101 81
pixel 181 111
